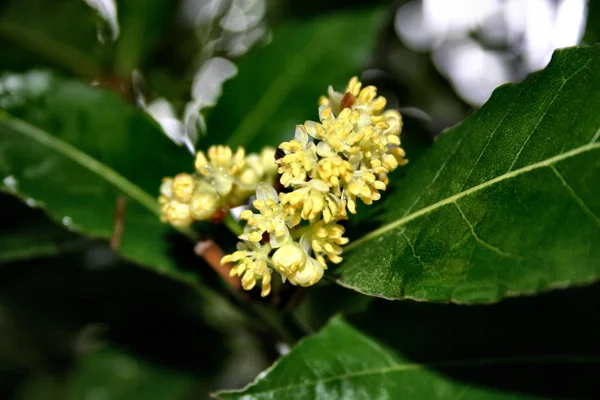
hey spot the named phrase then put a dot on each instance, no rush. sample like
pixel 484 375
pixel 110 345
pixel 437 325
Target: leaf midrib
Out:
pixel 93 165
pixel 454 198
pixel 571 358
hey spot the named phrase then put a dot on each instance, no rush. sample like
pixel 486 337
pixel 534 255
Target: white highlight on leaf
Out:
pixel 16 89
pixel 11 183
pixel 208 81
pixel 107 10
pixel 206 89
pixel 162 111
pixel 243 15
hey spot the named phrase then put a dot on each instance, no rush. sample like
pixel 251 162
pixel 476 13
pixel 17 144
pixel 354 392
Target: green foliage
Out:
pixel 489 211
pixel 74 151
pixel 413 350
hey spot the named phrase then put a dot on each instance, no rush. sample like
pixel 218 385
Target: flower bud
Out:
pixel 289 258
pixel 203 205
pixel 183 187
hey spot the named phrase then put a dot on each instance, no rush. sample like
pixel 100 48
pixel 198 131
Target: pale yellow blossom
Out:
pixel 270 219
pixel 252 261
pixel 326 241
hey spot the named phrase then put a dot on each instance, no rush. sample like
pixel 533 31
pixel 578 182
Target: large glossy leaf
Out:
pixel 505 204
pixel 278 86
pixel 74 151
pixel 532 347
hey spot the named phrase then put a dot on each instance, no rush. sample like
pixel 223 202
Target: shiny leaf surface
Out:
pixel 76 151
pixel 505 204
pixel 410 350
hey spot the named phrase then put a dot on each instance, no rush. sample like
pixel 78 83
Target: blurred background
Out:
pixel 77 322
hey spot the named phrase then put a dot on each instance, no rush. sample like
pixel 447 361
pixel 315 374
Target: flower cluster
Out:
pixel 329 164
pixel 223 179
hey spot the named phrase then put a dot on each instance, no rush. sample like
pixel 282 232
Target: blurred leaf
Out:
pixel 142 24
pixel 505 204
pixel 112 374
pixel 592 28
pixel 55 309
pixel 278 86
pixel 519 349
pixel 27 233
pixel 75 150
pixel 35 33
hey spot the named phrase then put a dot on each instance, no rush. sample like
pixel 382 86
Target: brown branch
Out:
pixel 119 223
pixel 212 254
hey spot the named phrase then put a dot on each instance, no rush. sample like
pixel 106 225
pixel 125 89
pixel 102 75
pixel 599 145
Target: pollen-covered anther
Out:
pixel 326 241
pixel 335 170
pixel 252 264
pixel 365 186
pixel 300 159
pixel 312 200
pixel 270 219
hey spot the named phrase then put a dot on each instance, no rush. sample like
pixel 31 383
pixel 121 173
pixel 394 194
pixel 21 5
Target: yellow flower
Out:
pixel 183 187
pixel 258 168
pixel 300 159
pixel 361 97
pixel 204 203
pixel 252 261
pixel 176 213
pixel 312 200
pixel 289 258
pixel 326 240
pixel 365 186
pixel 294 264
pixel 335 171
pixel 271 218
pixel 328 165
pixel 221 166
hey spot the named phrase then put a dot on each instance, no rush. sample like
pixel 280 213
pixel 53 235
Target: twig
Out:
pixel 212 254
pixel 119 223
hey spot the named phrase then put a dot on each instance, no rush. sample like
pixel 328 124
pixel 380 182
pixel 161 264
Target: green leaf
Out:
pixel 27 233
pixel 61 34
pixel 113 374
pixel 505 204
pixel 278 86
pixel 75 151
pixel 410 350
pixel 141 27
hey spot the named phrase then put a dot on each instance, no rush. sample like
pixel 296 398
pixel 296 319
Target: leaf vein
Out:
pixel 482 242
pixel 575 359
pixel 86 161
pixel 576 197
pixel 452 199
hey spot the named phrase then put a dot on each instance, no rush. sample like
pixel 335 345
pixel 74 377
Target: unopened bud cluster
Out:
pixel 222 180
